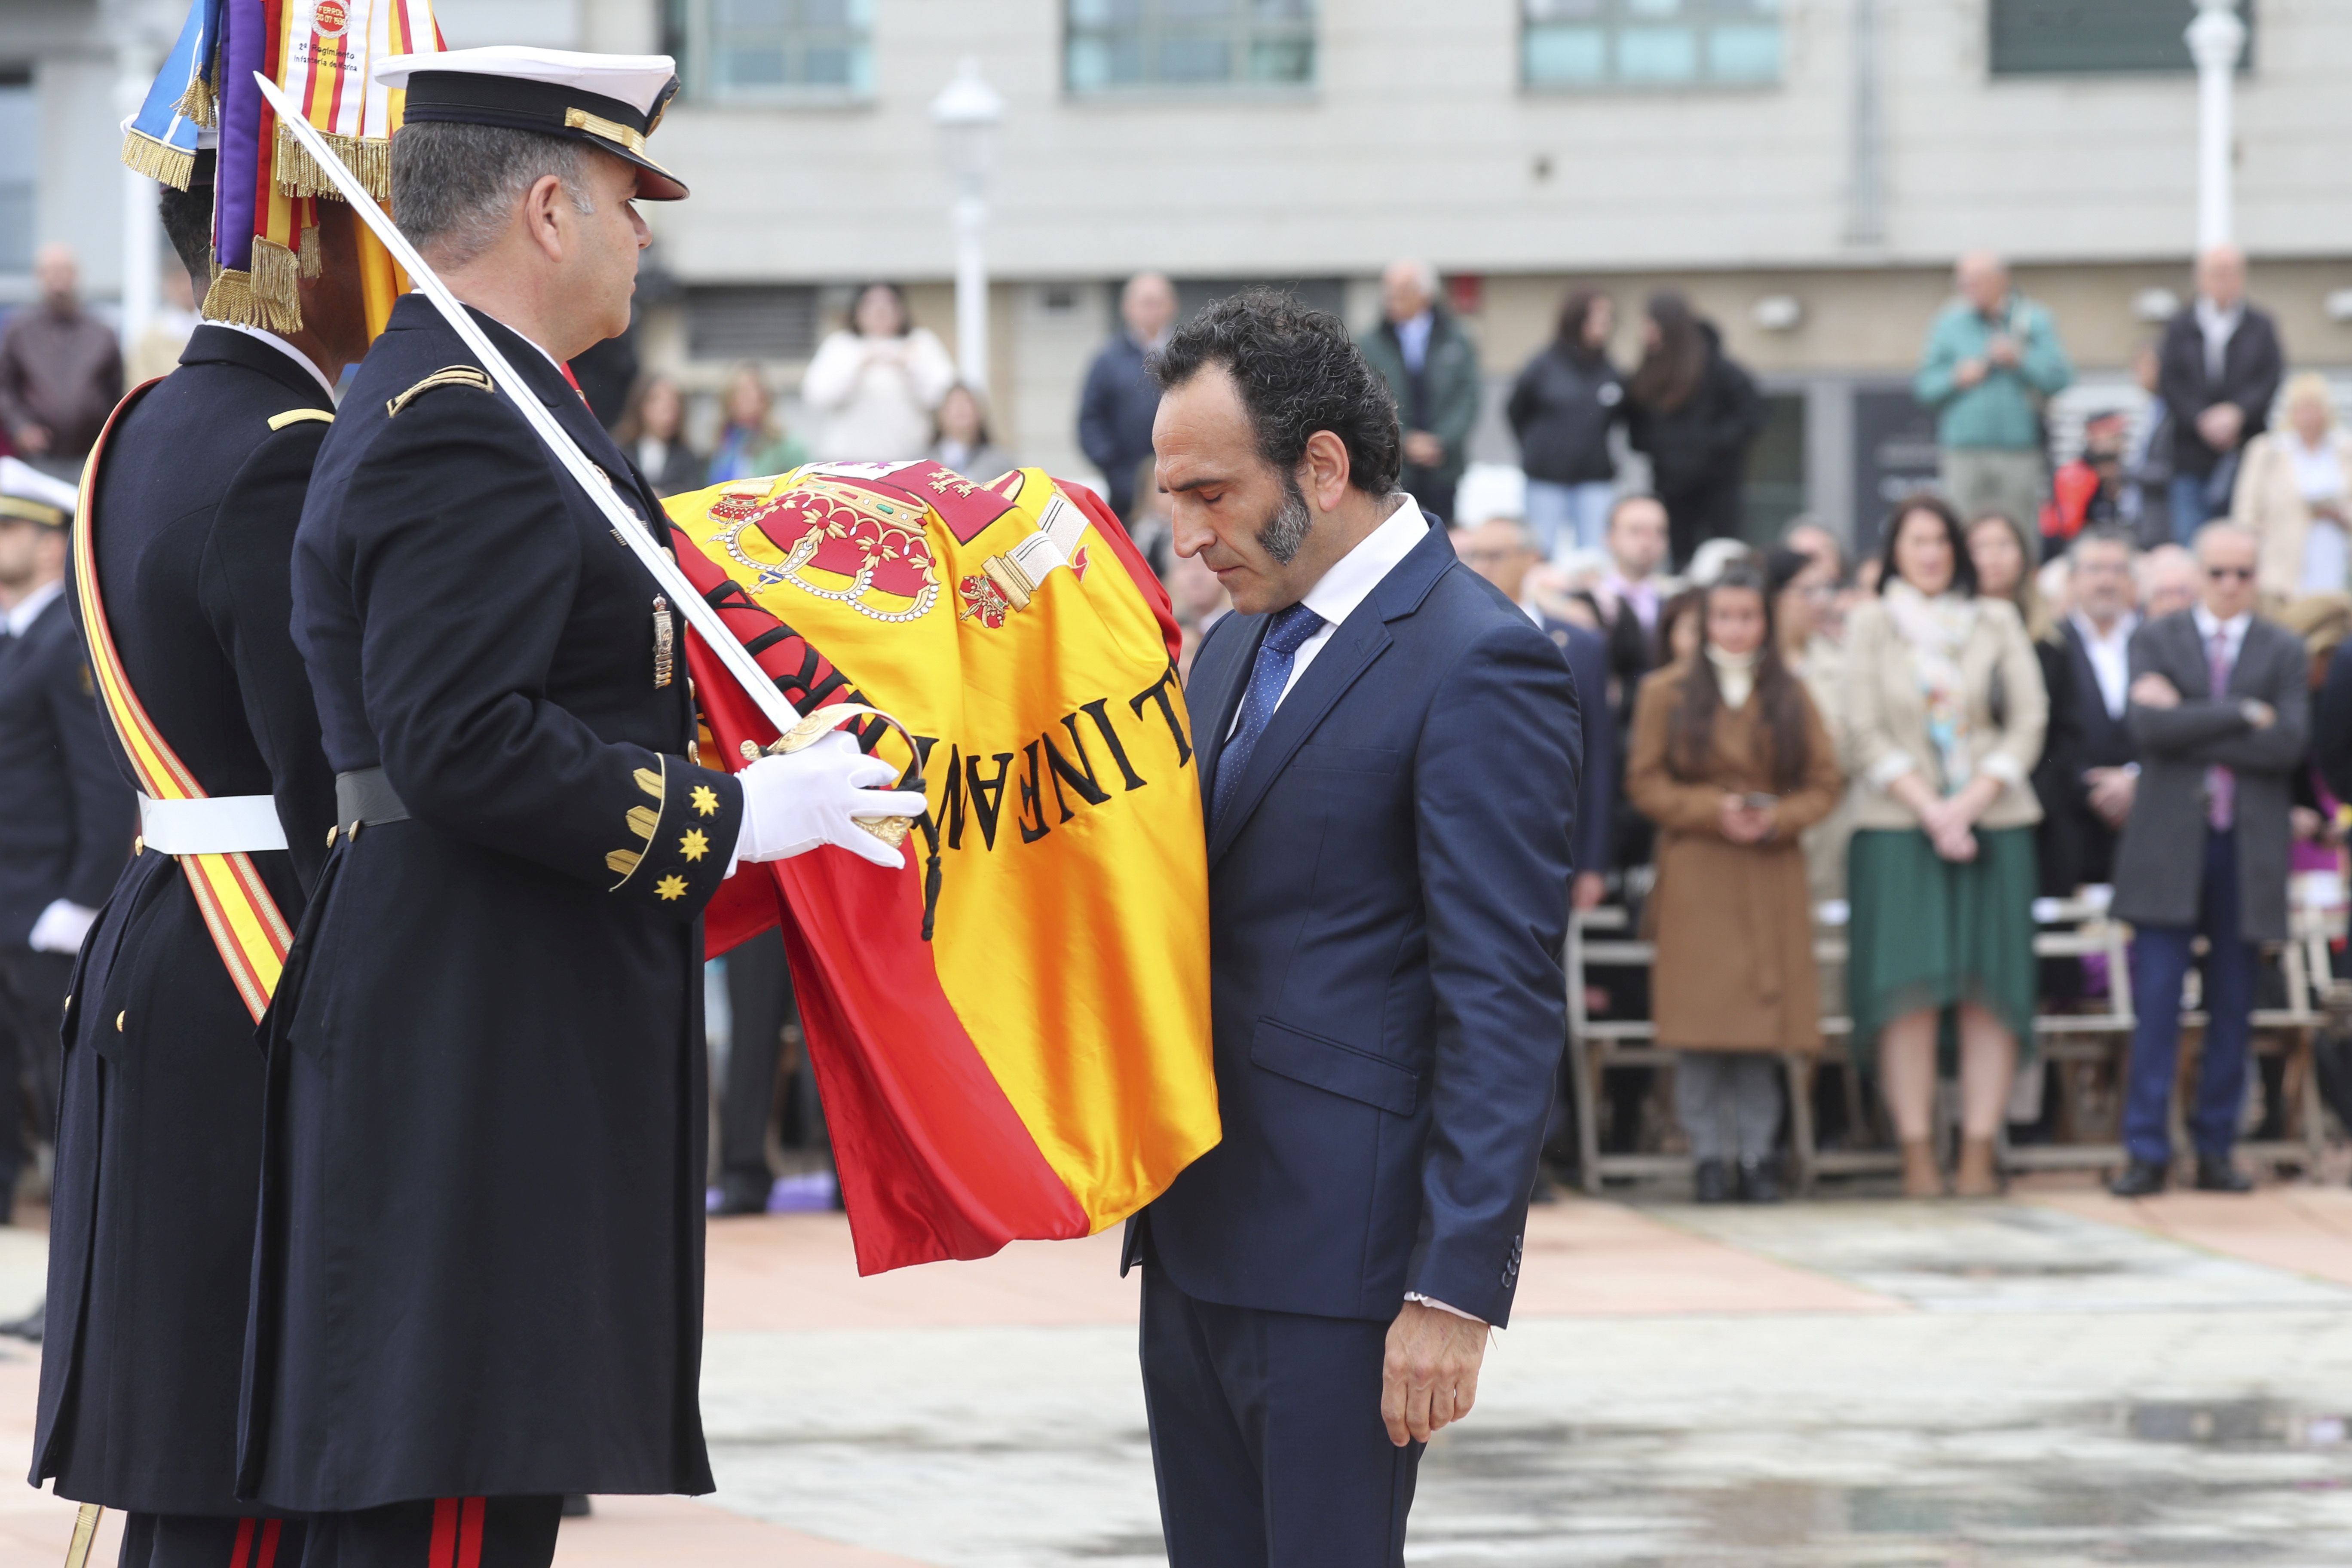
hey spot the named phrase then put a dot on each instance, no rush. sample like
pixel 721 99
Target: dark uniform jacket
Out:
pixel 66 820
pixel 1388 894
pixel 481 1261
pixel 159 1141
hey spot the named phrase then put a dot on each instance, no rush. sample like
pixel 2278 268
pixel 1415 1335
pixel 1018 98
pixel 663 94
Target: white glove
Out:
pixel 793 803
pixel 61 927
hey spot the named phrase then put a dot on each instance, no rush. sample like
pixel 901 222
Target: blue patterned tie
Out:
pixel 1284 636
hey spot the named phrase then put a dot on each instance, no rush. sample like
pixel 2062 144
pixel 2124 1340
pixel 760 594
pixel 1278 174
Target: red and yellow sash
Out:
pixel 244 920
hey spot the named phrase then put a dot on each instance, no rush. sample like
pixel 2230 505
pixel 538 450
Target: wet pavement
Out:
pixel 2053 1382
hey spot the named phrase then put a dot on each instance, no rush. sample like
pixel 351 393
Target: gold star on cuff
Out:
pixel 694 846
pixel 705 799
pixel 670 887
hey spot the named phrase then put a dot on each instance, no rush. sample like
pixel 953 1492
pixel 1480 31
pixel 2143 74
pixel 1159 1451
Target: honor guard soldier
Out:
pixel 184 596
pixel 478 1282
pixel 64 818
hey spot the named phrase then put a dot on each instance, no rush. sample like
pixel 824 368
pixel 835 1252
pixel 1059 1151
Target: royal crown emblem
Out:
pixel 838 541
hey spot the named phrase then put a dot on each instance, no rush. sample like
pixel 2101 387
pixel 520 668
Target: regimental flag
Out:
pixel 1011 1036
pixel 265 216
pixel 160 141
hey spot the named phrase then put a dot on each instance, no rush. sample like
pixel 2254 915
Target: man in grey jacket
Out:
pixel 2221 709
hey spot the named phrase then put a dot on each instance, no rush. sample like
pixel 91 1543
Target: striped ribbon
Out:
pixel 246 927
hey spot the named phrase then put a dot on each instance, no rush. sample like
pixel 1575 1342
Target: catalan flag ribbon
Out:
pixel 1011 1036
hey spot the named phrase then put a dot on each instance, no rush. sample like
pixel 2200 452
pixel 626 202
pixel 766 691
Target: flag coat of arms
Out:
pixel 1011 1034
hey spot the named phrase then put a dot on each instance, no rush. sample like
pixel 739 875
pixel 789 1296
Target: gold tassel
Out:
pixel 276 285
pixel 309 254
pixel 298 174
pixel 158 161
pixel 230 299
pixel 196 101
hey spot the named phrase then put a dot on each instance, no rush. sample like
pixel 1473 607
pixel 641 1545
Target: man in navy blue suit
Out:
pixel 1390 751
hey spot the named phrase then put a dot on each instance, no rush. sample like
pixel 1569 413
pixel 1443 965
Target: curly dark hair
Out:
pixel 1298 371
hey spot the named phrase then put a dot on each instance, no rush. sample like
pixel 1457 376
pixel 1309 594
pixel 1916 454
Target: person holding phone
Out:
pixel 1731 760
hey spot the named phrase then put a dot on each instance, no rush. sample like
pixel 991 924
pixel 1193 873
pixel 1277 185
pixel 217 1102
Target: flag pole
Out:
pixel 756 682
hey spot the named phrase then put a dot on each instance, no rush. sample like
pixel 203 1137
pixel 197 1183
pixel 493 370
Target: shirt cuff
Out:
pixel 1889 768
pixel 2003 767
pixel 1433 1302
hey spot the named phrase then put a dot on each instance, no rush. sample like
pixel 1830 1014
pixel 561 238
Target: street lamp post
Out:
pixel 967 112
pixel 2216 38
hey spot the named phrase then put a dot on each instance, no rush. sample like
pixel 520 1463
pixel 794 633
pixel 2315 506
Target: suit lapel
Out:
pixel 1352 647
pixel 1215 691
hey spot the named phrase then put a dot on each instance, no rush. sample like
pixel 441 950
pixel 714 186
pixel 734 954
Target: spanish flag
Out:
pixel 1012 1035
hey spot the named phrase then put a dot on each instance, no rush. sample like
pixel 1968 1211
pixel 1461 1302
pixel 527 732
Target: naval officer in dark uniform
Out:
pixel 199 488
pixel 479 1280
pixel 64 818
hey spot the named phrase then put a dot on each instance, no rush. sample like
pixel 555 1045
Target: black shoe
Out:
pixel 741 1196
pixel 2141 1179
pixel 1711 1183
pixel 1759 1181
pixel 2221 1176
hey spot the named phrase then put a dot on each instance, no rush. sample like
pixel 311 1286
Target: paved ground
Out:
pixel 2057 1381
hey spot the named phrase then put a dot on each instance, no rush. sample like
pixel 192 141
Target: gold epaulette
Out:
pixel 297 416
pixel 449 375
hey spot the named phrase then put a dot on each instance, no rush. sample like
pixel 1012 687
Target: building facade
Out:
pixel 1806 170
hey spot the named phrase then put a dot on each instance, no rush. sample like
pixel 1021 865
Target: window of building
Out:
pixel 762 322
pixel 1581 44
pixel 2051 37
pixel 19 140
pixel 1116 45
pixel 769 50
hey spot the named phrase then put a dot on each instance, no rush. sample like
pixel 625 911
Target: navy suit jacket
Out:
pixel 67 820
pixel 1388 892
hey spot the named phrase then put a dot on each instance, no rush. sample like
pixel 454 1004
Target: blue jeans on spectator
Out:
pixel 2160 960
pixel 2199 500
pixel 1568 516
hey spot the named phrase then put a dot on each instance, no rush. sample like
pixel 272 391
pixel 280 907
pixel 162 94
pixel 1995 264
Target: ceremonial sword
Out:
pixel 756 682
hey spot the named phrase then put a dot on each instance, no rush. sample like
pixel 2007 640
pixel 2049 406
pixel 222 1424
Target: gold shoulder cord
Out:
pixel 299 416
pixel 449 375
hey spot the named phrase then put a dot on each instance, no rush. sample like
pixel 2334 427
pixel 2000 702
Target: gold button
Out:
pixel 331 835
pixel 139 845
pixel 117 1021
pixel 357 823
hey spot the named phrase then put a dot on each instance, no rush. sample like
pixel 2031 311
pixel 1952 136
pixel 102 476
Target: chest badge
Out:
pixel 665 644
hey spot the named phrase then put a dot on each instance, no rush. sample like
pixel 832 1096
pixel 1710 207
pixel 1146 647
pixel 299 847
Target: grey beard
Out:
pixel 1287 529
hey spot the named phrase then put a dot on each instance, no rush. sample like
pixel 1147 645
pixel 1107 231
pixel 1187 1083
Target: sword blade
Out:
pixel 756 682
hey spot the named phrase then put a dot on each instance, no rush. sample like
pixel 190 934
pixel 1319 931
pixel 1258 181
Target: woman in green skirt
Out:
pixel 1945 712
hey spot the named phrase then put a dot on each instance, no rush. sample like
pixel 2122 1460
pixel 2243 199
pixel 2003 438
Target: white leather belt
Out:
pixel 225 825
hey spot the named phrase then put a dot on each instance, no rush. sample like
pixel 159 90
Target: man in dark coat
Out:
pixel 1390 752
pixel 2218 372
pixel 477 1282
pixel 199 488
pixel 1432 370
pixel 2221 707
pixel 65 821
pixel 1116 408
pixel 2091 801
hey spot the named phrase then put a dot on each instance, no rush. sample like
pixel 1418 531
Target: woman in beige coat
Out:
pixel 1731 761
pixel 2295 490
pixel 1944 714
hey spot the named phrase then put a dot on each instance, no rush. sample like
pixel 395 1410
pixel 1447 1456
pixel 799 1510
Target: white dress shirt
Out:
pixel 1413 340
pixel 27 610
pixel 2218 327
pixel 1348 582
pixel 288 350
pixel 2234 636
pixel 2110 656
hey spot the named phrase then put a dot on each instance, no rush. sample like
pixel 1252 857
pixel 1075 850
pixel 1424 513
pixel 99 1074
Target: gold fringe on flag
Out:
pixel 196 101
pixel 309 254
pixel 143 154
pixel 298 174
pixel 277 285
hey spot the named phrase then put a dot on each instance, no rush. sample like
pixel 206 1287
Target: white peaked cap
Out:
pixel 21 482
pixel 636 80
